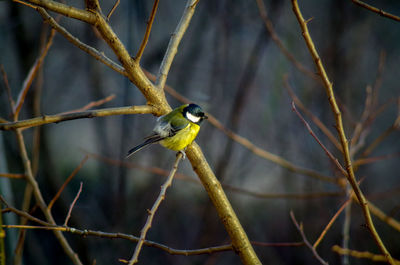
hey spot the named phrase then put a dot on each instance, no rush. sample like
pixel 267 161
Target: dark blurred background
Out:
pixel 228 64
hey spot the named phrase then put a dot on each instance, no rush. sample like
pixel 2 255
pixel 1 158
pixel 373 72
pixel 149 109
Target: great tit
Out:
pixel 175 130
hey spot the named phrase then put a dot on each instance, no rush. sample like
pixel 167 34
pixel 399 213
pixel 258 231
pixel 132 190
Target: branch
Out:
pixel 153 210
pixel 361 254
pixel 327 152
pixel 339 126
pixel 174 43
pixel 148 30
pixel 40 201
pixel 100 56
pixel 268 24
pixel 45 119
pixel 76 170
pixel 72 205
pixel 66 10
pixel 376 10
pixel 308 244
pixel 240 241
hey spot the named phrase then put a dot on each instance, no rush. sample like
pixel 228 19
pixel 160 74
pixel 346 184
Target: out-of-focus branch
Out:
pixel 100 56
pixel 153 210
pixel 32 75
pixel 174 43
pixel 339 126
pixel 76 170
pixel 376 10
pixel 361 254
pixel 314 118
pixel 274 36
pixel 12 176
pixel 46 119
pixel 148 30
pixel 39 198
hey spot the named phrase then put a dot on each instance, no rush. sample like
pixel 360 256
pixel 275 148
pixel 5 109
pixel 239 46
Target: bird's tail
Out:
pixel 149 140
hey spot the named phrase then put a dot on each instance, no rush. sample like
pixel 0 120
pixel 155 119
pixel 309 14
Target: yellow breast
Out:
pixel 182 139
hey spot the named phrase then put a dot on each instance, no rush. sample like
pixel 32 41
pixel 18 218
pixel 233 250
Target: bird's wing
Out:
pixel 169 126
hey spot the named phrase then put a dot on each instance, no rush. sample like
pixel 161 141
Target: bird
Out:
pixel 176 129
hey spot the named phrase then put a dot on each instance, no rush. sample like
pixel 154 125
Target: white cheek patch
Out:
pixel 192 118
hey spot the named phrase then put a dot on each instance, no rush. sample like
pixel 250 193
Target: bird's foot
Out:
pixel 183 153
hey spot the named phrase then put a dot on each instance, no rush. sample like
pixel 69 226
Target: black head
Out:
pixel 194 113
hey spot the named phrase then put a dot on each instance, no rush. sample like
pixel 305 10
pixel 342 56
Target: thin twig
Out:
pixel 8 89
pixel 376 10
pixel 46 119
pixel 116 4
pixel 314 118
pixel 148 30
pixel 330 223
pixel 100 56
pixel 153 210
pixel 174 43
pixel 32 75
pixel 76 170
pixel 339 126
pixel 73 204
pixel 308 244
pixel 92 104
pixel 327 152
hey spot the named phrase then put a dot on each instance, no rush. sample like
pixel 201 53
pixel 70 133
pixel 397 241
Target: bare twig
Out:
pixel 8 89
pixel 76 170
pixel 91 104
pixel 46 119
pixel 376 10
pixel 339 126
pixel 327 152
pixel 153 210
pixel 72 205
pixel 116 4
pixel 329 225
pixel 314 118
pixel 148 30
pixel 174 43
pixel 31 75
pixel 100 56
pixel 308 244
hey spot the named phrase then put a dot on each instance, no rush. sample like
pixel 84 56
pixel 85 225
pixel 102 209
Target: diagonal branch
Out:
pixel 174 43
pixel 153 210
pixel 148 30
pixel 376 10
pixel 340 129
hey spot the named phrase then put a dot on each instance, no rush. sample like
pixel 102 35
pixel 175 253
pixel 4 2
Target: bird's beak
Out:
pixel 205 117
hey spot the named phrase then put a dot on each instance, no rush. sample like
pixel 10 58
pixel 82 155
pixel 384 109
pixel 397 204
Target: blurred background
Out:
pixel 228 63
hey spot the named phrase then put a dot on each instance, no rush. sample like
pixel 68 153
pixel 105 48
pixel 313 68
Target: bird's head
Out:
pixel 194 113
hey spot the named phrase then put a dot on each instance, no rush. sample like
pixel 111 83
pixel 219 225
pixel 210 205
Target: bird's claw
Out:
pixel 183 154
